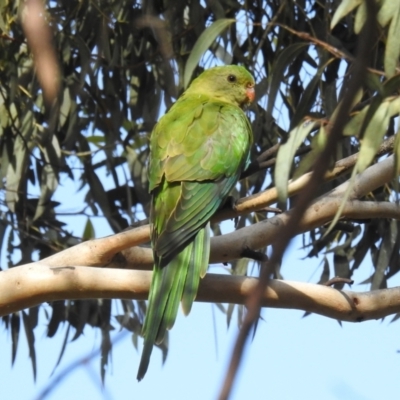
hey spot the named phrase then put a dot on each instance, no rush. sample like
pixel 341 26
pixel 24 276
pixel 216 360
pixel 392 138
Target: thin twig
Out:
pixel 263 161
pixel 331 49
pixel 338 279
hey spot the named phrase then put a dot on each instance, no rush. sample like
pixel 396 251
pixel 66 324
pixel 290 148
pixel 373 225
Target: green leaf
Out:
pixel 396 169
pixel 344 199
pixel 4 163
pixel 381 261
pixel 15 170
pixel 65 107
pixel 15 325
pixel 359 123
pixel 308 97
pixel 392 85
pixel 363 247
pixel 63 347
pixel 49 183
pixel 83 316
pixel 30 337
pixel 346 6
pixel 386 12
pixel 325 272
pixel 317 144
pixel 98 140
pixel 361 16
pixel 286 153
pixel 88 232
pixel 129 323
pixel 283 61
pixel 373 136
pixel 342 268
pixel 392 50
pixel 100 197
pixel 57 317
pixel 202 44
pixel 105 352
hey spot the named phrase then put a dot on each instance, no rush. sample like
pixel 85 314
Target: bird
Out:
pixel 198 150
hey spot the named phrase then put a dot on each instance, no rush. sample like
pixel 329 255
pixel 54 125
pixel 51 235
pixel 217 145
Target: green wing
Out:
pixel 198 149
pixel 201 156
pixel 199 139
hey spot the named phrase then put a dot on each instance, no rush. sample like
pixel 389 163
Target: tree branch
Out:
pixel 264 199
pixel 32 284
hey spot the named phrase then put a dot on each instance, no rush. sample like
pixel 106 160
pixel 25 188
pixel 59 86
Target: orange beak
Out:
pixel 250 93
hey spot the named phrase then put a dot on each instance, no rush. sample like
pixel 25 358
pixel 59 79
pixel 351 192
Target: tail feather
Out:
pixel 205 251
pixel 157 303
pixel 176 267
pixel 197 268
pixel 177 281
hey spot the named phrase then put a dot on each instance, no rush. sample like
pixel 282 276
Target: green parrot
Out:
pixel 198 150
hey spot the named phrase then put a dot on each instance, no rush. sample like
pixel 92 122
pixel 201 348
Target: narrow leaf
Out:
pixel 283 61
pixel 325 272
pixel 202 44
pixel 373 136
pixel 105 351
pixel 30 337
pixel 392 50
pixel 342 268
pixel 381 262
pixel 396 169
pixel 317 145
pixel 345 7
pixel 63 347
pixel 386 12
pixel 15 325
pixel 88 232
pixel 286 153
pixel 49 183
pixel 361 17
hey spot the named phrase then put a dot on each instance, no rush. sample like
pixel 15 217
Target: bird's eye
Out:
pixel 231 78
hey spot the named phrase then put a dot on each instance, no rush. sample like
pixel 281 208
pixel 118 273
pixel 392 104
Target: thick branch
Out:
pixel 32 284
pixel 229 247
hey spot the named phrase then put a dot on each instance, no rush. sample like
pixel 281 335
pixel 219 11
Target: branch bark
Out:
pixel 33 284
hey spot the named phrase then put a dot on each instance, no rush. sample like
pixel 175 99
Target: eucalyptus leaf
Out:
pixel 361 17
pixel 203 43
pixel 286 153
pixel 387 10
pixel 373 135
pixel 88 232
pixel 283 61
pixel 345 7
pixel 392 49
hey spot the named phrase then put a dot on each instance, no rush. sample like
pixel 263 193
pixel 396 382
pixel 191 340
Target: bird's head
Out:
pixel 230 83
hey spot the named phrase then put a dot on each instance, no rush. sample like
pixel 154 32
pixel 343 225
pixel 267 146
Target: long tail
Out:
pixel 178 280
